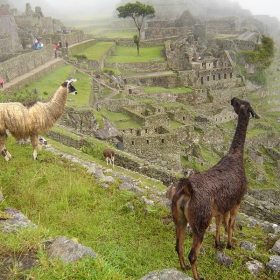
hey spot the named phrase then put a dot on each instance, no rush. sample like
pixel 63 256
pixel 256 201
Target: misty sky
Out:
pixel 259 7
pixel 103 7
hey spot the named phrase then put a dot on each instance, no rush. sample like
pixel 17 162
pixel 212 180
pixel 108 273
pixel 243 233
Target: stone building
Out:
pixel 9 39
pixel 157 143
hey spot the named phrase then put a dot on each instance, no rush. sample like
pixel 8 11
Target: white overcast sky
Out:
pixel 259 7
pixel 101 7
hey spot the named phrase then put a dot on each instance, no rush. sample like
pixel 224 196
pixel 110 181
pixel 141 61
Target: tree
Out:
pixel 136 41
pixel 138 12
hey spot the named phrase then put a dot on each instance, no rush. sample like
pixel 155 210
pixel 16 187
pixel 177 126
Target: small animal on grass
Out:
pixel 109 155
pixel 29 120
pixel 216 192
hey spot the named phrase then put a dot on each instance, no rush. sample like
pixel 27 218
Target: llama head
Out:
pixel 242 105
pixel 70 86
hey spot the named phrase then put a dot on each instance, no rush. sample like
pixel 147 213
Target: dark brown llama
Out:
pixel 216 192
pixel 109 155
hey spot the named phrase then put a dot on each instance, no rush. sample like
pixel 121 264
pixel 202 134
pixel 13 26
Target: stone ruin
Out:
pixel 18 32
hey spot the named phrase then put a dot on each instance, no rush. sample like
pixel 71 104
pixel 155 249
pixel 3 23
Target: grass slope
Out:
pixel 63 198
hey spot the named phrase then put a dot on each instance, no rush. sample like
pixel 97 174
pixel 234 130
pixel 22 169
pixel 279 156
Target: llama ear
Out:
pixel 254 115
pixel 71 81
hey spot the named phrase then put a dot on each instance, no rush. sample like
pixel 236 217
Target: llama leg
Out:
pixel 196 245
pixel 231 222
pixel 35 142
pixel 218 231
pixel 107 160
pixel 180 238
pixel 3 150
pixel 226 221
pixel 6 154
pixel 181 223
pixel 113 160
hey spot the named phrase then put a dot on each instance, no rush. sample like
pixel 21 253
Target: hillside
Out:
pixel 122 215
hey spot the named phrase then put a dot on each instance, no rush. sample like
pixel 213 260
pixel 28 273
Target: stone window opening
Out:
pixel 208 79
pixel 214 77
pixel 230 75
pixel 148 142
pixel 162 141
pixel 225 76
pixel 158 110
pixel 132 142
pixel 184 118
pixel 219 76
pixel 201 80
pixel 146 130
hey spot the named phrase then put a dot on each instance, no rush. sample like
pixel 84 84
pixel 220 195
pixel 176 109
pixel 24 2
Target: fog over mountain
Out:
pixel 86 8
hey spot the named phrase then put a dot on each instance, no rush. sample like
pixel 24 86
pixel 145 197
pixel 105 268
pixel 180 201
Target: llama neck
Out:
pixel 238 141
pixel 57 103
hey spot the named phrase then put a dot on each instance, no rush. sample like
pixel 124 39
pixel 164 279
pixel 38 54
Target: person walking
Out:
pixel 55 51
pixel 1 83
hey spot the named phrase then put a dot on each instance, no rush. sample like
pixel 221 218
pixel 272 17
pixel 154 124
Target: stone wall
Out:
pixel 8 28
pixel 168 81
pixel 236 45
pixel 219 97
pixel 181 116
pixel 81 120
pixel 144 43
pixel 72 38
pixel 99 65
pixel 151 66
pixel 156 143
pixel 126 161
pixel 24 63
pixel 31 78
pixel 156 32
pixel 5 47
pixel 116 104
pixel 37 25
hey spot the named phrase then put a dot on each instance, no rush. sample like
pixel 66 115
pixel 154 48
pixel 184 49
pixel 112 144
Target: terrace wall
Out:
pixel 150 66
pixel 24 63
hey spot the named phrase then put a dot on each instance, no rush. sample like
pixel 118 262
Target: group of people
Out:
pixel 37 44
pixel 58 46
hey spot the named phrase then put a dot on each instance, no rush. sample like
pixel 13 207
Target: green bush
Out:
pixel 80 56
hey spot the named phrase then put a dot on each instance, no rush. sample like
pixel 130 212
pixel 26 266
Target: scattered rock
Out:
pixel 248 246
pixel 68 250
pixel 254 266
pixel 223 259
pixel 274 263
pixel 166 274
pixel 276 247
pixel 17 220
pixel 130 187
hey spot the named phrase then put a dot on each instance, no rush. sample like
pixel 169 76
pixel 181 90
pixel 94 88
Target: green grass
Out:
pixel 121 121
pixel 173 90
pixel 129 54
pixel 96 51
pixel 63 199
pixel 48 84
pixel 174 124
pixel 108 34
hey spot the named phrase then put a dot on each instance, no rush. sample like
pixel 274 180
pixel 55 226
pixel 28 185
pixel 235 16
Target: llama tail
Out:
pixel 186 186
